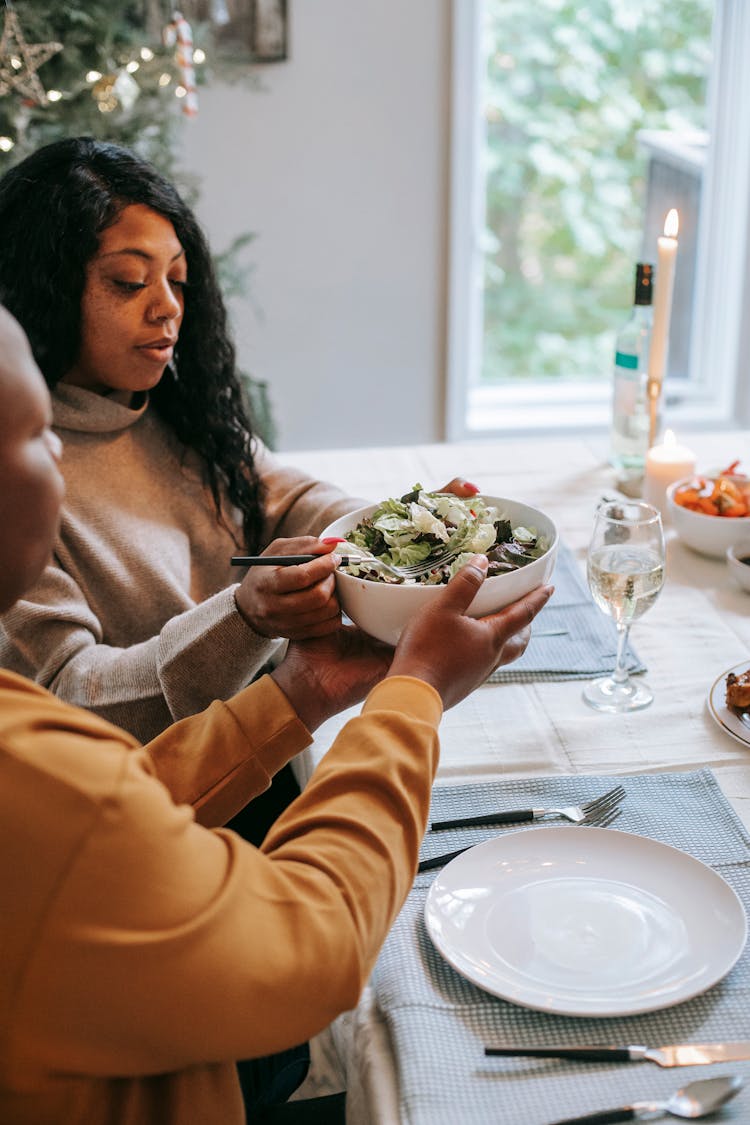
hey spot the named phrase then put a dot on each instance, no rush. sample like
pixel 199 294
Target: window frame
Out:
pixel 715 394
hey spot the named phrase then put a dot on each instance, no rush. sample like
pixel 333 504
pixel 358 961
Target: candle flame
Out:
pixel 671 224
pixel 670 441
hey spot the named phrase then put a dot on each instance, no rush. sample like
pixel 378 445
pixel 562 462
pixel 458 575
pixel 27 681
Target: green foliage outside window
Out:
pixel 567 89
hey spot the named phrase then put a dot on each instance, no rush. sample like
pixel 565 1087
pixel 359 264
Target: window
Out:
pixel 576 126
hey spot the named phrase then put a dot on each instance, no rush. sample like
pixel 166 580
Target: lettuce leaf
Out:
pixel 420 524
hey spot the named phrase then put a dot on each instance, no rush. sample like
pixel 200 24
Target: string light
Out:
pixel 104 94
pixel 54 95
pixel 165 79
pixel 132 66
pixel 180 91
pixel 93 76
pixel 199 55
pixel 147 54
pixel 6 144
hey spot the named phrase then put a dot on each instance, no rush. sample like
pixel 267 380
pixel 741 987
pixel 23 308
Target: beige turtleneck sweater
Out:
pixel 136 618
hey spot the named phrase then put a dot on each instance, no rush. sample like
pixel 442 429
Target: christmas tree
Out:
pixel 102 68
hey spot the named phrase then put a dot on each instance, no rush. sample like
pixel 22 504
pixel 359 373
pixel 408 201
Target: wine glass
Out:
pixel 625 567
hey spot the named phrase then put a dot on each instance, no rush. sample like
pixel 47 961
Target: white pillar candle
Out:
pixel 664 465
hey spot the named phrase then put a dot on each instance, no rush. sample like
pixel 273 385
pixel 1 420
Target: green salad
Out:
pixel 423 524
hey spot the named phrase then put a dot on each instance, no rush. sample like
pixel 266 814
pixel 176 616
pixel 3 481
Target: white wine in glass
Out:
pixel 625 566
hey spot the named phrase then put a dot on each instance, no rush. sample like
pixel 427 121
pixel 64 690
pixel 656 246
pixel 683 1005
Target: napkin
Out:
pixel 587 649
pixel 438 1022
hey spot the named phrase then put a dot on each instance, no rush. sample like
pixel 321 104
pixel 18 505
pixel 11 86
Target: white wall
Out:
pixel 340 165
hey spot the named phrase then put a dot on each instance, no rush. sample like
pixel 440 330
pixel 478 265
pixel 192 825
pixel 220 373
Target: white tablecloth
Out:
pixel 698 628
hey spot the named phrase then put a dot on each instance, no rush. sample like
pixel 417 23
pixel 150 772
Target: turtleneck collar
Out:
pixel 74 408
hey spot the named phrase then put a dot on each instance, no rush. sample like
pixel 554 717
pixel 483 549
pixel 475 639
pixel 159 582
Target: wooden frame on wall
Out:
pixel 269 37
pixel 255 31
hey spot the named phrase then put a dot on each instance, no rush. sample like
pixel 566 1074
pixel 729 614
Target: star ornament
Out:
pixel 19 61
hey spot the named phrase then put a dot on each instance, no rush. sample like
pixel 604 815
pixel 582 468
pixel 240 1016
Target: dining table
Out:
pixel 412 1050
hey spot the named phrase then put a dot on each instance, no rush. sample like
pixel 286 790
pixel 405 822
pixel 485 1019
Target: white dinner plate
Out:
pixel 730 719
pixel 585 921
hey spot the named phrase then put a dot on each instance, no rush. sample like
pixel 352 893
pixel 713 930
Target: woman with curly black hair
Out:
pixel 140 618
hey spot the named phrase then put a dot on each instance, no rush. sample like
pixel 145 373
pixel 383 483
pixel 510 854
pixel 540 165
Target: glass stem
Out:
pixel 620 674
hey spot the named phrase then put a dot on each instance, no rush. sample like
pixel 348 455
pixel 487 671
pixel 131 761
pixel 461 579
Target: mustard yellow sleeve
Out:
pixel 167 944
pixel 218 760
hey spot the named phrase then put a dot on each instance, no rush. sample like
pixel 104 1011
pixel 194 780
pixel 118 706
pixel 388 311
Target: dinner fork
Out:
pixel 602 817
pixel 413 571
pixel 577 813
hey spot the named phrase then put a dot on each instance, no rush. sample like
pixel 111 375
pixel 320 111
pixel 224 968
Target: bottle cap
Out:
pixel 644 279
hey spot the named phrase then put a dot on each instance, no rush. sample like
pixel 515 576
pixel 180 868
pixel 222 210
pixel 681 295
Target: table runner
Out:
pixel 439 1022
pixel 588 648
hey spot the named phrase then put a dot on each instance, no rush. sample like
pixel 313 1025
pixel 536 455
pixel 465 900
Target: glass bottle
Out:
pixel 630 411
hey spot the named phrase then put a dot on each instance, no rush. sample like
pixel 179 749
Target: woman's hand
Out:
pixel 324 676
pixel 440 645
pixel 456 653
pixel 292 601
pixel 460 487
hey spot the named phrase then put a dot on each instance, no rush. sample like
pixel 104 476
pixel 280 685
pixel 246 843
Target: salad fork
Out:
pixel 348 559
pixel 414 571
pixel 577 813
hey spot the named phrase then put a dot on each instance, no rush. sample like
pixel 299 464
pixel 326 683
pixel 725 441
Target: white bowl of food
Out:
pixel 381 606
pixel 710 512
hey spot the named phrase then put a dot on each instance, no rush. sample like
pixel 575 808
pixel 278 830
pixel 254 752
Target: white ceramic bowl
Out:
pixel 382 610
pixel 738 568
pixel 708 535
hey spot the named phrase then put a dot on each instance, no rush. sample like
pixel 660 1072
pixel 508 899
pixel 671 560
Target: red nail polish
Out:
pixel 333 539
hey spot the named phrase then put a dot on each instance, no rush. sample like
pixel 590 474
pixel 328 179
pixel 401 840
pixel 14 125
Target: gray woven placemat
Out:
pixel 439 1022
pixel 587 648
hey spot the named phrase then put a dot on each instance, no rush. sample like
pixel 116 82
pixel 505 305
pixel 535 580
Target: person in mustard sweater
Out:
pixel 144 947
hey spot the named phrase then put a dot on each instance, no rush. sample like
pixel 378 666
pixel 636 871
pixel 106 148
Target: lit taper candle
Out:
pixel 665 263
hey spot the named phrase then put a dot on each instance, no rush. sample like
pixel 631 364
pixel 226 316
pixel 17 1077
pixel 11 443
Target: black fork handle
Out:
pixel 512 816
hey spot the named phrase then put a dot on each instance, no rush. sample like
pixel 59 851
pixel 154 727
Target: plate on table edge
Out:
pixel 736 723
pixel 531 858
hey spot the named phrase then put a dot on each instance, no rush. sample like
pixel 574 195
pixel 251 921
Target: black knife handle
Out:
pixel 592 1054
pixel 440 860
pixel 513 816
pixel 603 1117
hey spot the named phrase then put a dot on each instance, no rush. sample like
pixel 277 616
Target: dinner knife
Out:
pixel 675 1054
pixel 440 860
